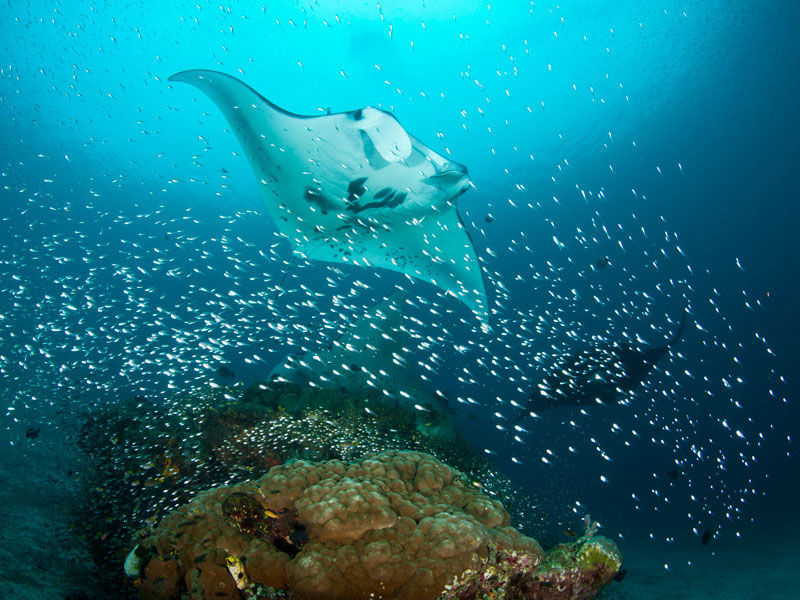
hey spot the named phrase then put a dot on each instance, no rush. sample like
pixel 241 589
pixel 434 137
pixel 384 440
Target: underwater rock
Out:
pixel 277 421
pixel 141 465
pixel 245 513
pixel 575 571
pixel 148 459
pixel 160 578
pixel 393 525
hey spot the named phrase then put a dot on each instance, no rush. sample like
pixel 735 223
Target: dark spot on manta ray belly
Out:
pixel 397 200
pixel 311 195
pixel 393 199
pixel 356 188
pixel 357 115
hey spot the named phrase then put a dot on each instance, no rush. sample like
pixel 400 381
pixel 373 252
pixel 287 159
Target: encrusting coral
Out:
pixel 573 571
pixel 396 524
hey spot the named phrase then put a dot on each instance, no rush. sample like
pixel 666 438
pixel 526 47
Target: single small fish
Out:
pixel 707 537
pixel 32 433
pixel 569 533
pixel 620 575
pixel 236 569
pixel 489 218
pixel 602 263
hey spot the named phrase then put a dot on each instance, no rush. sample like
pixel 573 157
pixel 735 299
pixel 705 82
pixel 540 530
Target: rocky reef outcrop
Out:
pixel 396 524
pixel 574 571
pixel 146 458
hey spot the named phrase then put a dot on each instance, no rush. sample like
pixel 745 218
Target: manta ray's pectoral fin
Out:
pixel 435 249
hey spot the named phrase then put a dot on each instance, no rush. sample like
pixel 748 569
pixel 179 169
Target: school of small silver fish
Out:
pixel 135 264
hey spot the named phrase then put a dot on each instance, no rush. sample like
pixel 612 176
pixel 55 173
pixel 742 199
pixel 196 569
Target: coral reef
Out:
pixel 431 429
pixel 393 525
pixel 142 463
pixel 573 571
pixel 148 458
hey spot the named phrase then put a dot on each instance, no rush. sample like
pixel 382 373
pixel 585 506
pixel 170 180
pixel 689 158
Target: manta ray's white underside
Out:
pixel 354 187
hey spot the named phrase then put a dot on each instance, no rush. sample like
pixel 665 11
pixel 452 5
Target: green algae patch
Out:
pixel 599 553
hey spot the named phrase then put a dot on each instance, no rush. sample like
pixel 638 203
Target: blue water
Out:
pixel 130 217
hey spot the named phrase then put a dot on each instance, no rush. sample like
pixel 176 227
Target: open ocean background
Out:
pixel 673 124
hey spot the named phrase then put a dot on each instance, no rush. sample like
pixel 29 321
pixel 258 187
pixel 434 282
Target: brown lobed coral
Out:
pixel 396 524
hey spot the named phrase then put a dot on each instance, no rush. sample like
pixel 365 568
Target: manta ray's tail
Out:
pixel 679 332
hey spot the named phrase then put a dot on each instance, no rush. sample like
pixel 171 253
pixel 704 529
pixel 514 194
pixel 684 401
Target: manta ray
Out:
pixel 598 374
pixel 354 187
